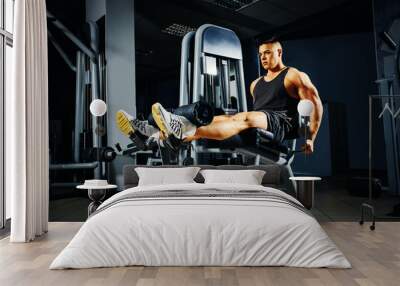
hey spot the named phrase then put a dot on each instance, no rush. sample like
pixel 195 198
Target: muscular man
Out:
pixel 275 97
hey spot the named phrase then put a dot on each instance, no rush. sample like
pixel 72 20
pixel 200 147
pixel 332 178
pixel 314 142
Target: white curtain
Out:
pixel 27 124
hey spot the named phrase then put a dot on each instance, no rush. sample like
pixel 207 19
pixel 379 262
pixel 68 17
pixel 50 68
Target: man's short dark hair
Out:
pixel 271 40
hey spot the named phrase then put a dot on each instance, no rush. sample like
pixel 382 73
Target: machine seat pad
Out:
pixel 265 134
pixel 266 140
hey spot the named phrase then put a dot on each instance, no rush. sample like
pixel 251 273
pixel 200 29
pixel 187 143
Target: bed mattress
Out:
pixel 201 225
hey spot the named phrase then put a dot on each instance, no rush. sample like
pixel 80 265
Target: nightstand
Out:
pixel 305 190
pixel 96 194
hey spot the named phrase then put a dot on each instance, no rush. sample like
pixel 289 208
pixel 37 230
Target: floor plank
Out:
pixel 375 257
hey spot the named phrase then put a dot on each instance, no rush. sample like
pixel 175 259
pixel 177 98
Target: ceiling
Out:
pixel 251 20
pixel 281 12
pixel 159 52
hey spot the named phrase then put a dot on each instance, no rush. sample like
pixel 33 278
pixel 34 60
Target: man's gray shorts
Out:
pixel 281 124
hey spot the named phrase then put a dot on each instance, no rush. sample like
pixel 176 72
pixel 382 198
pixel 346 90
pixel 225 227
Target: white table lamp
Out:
pixel 98 107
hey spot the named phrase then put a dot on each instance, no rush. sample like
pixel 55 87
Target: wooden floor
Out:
pixel 375 257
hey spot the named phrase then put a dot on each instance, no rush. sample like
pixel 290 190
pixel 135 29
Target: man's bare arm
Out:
pixel 306 90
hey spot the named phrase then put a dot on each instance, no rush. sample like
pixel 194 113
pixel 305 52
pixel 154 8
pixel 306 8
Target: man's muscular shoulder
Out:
pixel 298 84
pixel 291 82
pixel 295 76
pixel 296 79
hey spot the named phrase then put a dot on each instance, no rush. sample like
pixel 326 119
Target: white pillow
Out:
pixel 249 177
pixel 165 176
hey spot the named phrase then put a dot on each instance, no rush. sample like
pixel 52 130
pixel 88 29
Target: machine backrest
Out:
pixel 212 69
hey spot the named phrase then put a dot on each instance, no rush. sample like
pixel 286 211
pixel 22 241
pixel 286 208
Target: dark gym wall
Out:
pixel 250 66
pixel 342 67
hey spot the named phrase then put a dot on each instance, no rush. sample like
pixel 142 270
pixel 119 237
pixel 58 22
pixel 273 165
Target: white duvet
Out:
pixel 200 231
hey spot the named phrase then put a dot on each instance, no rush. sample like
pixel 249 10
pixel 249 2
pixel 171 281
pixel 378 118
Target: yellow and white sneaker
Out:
pixel 172 124
pixel 129 125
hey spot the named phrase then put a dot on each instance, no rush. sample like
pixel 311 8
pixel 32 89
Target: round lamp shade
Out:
pixel 305 107
pixel 98 107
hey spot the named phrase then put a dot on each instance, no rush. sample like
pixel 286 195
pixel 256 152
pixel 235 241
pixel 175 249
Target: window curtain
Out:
pixel 27 155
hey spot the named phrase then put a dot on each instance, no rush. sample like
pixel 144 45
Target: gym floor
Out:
pixel 332 203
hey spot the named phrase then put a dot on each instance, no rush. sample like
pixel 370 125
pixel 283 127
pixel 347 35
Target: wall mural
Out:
pixel 230 100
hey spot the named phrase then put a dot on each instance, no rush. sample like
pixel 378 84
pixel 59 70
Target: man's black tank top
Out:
pixel 272 95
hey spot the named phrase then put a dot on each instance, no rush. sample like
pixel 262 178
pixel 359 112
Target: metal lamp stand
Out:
pixel 368 204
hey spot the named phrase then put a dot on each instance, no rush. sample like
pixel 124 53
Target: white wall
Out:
pixel 120 57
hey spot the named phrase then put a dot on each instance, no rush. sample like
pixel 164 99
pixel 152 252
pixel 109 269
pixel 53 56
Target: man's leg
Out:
pixel 220 128
pixel 223 127
pixel 219 118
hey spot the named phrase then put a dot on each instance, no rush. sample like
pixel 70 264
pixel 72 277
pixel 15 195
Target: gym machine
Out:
pixel 89 67
pixel 212 70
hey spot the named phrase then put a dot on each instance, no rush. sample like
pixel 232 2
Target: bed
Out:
pixel 198 224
